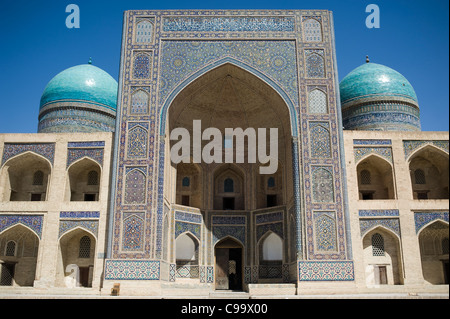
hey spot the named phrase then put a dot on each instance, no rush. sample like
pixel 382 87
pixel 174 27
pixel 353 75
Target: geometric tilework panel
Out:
pixel 47 150
pixel 181 227
pixel 141 66
pixel 384 152
pixel 277 228
pixel 312 30
pixel 137 142
pixel 220 232
pixel 315 63
pixel 73 215
pixel 390 223
pixel 172 272
pixel 325 271
pixel 67 225
pixel 320 140
pixel 133 232
pixel 32 221
pixel 86 144
pixel 209 274
pixel 228 220
pixel 277 59
pixel 371 142
pixel 325 230
pixel 424 218
pixel 74 154
pixel 317 101
pixel 132 269
pixel 269 217
pixel 378 213
pixel 322 184
pixel 135 187
pixel 270 271
pixel 187 271
pixel 188 217
pixel 410 146
pixel 247 274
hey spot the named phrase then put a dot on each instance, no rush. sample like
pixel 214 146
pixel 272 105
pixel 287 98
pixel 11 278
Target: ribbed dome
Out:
pixel 376 97
pixel 373 79
pixel 82 82
pixel 82 98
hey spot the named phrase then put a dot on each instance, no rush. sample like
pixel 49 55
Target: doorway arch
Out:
pixel 228 264
pixel 18 256
pixel 76 259
pixel 433 243
pixel 227 97
pixel 240 65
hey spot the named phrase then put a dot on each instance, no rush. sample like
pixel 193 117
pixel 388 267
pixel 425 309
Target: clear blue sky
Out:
pixel 36 45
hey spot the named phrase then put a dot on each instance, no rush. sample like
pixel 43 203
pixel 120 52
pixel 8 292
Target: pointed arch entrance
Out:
pixel 228 264
pixel 76 259
pixel 434 246
pixel 227 97
pixel 18 256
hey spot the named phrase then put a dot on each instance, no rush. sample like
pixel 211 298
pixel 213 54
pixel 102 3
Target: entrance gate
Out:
pixel 228 265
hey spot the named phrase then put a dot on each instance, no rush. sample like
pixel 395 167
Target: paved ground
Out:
pixel 230 295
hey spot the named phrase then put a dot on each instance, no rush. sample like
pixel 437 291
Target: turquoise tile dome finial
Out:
pixel 81 98
pixel 376 97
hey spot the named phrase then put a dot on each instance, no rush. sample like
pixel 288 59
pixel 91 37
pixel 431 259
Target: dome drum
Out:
pixel 75 117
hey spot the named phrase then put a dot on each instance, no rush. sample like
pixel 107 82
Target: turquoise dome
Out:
pixel 82 98
pixel 82 82
pixel 376 97
pixel 375 79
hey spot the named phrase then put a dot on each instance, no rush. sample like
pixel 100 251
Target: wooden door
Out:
pixel 222 258
pixel 383 275
pixel 446 271
pixel 84 276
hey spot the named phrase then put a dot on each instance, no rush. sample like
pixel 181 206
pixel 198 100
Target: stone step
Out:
pixel 272 289
pixel 228 294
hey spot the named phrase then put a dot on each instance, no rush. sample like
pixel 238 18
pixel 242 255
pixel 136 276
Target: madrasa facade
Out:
pixel 358 202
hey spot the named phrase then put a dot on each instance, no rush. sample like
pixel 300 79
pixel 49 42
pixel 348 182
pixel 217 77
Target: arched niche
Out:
pixel 25 177
pixel 187 256
pixel 270 257
pixel 375 178
pixel 229 96
pixel 269 188
pixel 76 259
pixel 18 256
pixel 189 184
pixel 229 188
pixel 433 243
pixel 382 257
pixel 429 172
pixel 83 183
